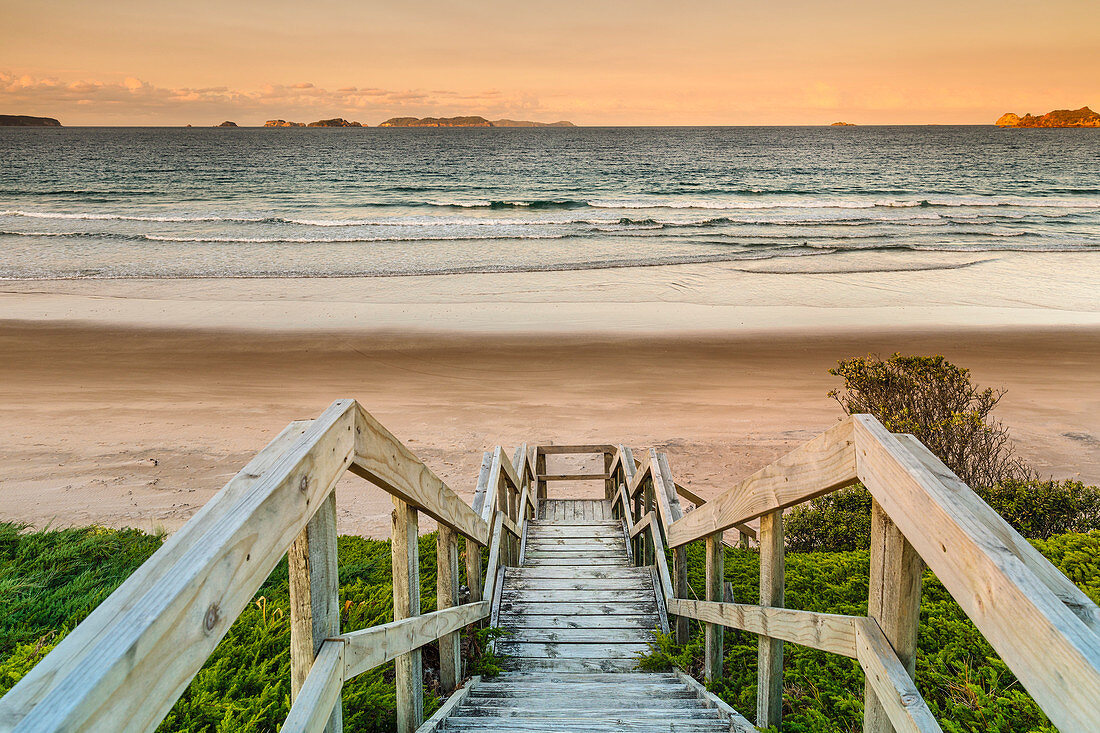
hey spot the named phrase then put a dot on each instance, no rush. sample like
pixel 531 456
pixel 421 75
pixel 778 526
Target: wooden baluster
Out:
pixel 446 593
pixel 714 653
pixel 473 570
pixel 540 470
pixel 609 483
pixel 314 598
pixel 894 601
pixel 769 674
pixel 408 668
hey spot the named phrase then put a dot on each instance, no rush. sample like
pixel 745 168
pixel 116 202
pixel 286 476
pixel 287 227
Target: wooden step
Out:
pixel 553 561
pixel 615 635
pixel 579 573
pixel 560 650
pixel 577 596
pixel 647 621
pixel 586 584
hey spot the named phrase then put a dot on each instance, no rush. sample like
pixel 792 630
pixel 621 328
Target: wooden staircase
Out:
pixel 580 585
pixel 579 615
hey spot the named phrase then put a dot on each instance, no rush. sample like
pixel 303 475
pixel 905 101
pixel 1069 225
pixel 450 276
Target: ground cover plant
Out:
pixel 50 580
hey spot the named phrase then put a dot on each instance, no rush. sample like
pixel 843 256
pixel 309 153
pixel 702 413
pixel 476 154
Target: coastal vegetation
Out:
pixel 50 580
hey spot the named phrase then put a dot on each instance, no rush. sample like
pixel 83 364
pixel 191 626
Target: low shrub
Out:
pixel 934 400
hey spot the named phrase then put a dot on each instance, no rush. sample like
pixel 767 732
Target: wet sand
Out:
pixel 140 426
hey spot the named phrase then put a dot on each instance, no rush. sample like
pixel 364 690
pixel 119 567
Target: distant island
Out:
pixel 843 124
pixel 467 121
pixel 27 121
pixel 334 122
pixel 227 123
pixel 1083 117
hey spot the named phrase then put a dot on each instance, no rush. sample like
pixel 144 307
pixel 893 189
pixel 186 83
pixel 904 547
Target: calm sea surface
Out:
pixel 112 202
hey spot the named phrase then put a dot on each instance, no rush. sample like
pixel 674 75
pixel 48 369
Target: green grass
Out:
pixel 50 580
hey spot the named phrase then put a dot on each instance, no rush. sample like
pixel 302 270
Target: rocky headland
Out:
pixel 227 123
pixel 283 123
pixel 27 121
pixel 466 121
pixel 843 124
pixel 1083 117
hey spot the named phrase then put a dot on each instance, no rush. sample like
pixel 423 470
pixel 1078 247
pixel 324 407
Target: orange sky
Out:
pixel 597 62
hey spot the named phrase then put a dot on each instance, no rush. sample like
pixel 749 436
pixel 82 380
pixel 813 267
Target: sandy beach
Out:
pixel 124 426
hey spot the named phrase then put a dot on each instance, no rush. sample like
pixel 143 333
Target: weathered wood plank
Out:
pixel 713 654
pixel 494 557
pixel 553 450
pixel 825 631
pixel 164 621
pixel 368 648
pixel 446 591
pixel 315 704
pixel 821 465
pixel 893 686
pixel 314 598
pixel 573 476
pixel 642 621
pixel 566 650
pixel 769 667
pixel 738 723
pixel 384 460
pixel 448 708
pixel 1066 590
pixel 1037 636
pixel 894 591
pixel 408 667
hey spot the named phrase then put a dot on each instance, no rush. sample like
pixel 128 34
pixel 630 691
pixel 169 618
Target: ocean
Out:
pixel 201 203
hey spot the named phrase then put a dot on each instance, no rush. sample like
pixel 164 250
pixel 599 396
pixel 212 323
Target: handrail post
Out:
pixel 609 483
pixel 473 570
pixel 446 593
pixel 540 470
pixel 894 602
pixel 314 598
pixel 408 668
pixel 769 674
pixel 714 653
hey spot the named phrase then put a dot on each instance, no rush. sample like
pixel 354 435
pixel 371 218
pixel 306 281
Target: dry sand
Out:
pixel 139 427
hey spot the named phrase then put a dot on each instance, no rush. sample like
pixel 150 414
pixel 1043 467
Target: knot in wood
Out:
pixel 210 620
pixel 303 484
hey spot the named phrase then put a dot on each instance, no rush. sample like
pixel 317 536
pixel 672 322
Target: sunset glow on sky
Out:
pixel 595 62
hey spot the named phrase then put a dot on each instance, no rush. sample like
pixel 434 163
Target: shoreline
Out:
pixel 139 426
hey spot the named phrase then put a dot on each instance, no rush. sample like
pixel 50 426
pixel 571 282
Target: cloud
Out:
pixel 136 101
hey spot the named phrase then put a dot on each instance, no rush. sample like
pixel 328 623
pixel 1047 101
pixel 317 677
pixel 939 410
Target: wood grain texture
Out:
pixel 1066 590
pixel 894 591
pixel 894 688
pixel 314 598
pixel 1041 640
pixel 713 653
pixel 825 631
pixel 446 593
pixel 368 648
pixel 821 465
pixel 127 663
pixel 312 709
pixel 384 460
pixel 408 667
pixel 769 665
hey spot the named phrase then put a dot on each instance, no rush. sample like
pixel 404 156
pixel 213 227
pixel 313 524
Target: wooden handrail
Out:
pixel 163 622
pixel 1042 625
